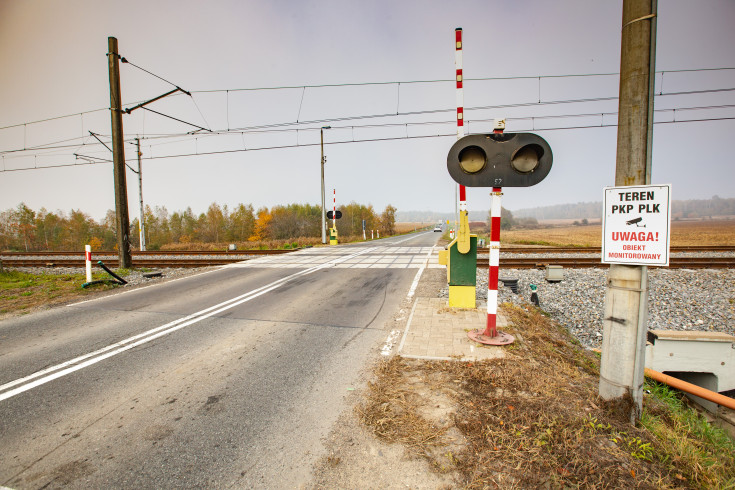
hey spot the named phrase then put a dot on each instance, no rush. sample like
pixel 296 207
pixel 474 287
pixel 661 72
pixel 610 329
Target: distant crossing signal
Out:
pixel 499 160
pixel 331 215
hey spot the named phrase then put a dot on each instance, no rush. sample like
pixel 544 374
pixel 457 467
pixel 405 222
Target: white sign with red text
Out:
pixel 636 221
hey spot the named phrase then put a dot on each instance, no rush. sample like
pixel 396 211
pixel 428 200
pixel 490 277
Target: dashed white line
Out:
pixel 49 374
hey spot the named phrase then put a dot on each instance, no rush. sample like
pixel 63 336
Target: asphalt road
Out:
pixel 229 378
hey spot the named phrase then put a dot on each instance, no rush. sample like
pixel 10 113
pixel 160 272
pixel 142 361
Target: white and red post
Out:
pixel 334 210
pixel 491 335
pixel 88 261
pixel 494 271
pixel 460 105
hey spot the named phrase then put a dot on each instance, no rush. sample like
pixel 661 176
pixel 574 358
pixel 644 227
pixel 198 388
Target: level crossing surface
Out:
pixel 227 378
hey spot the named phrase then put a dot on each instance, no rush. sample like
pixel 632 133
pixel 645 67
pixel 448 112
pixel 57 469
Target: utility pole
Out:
pixel 324 213
pixel 141 224
pixel 626 300
pixel 118 156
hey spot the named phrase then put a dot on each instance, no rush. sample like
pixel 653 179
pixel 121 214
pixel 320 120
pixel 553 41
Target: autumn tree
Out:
pixel 295 220
pixel 211 225
pixel 261 231
pixel 24 218
pixel 352 215
pixel 388 220
pixel 182 226
pixel 241 223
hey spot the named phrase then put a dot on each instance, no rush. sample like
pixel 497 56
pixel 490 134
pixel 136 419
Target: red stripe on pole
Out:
pixel 458 37
pixel 460 116
pixel 492 282
pixel 462 193
pixel 491 329
pixel 88 255
pixel 495 229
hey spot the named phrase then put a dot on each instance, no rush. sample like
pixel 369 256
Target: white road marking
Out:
pixel 391 340
pixel 146 287
pixel 408 325
pixel 54 372
pixel 388 346
pixel 418 274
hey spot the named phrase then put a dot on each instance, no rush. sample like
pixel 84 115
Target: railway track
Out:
pixel 588 262
pixel 149 263
pixel 596 250
pixel 148 258
pixel 506 263
pixel 148 253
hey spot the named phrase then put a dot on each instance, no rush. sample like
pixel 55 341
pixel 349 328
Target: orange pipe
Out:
pixel 712 396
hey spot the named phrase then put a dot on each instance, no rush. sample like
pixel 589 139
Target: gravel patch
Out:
pixel 679 299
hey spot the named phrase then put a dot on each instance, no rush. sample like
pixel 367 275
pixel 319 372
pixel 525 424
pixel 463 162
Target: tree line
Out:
pixel 693 208
pixel 23 229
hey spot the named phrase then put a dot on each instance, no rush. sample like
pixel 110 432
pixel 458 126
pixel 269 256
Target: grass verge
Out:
pixel 534 420
pixel 21 291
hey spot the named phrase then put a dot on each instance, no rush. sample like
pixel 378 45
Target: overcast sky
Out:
pixel 264 144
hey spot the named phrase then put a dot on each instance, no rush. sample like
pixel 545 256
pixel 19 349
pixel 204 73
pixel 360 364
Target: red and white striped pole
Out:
pixel 491 335
pixel 494 270
pixel 334 210
pixel 460 105
pixel 88 261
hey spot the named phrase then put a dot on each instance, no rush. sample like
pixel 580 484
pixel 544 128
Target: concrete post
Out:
pixel 626 300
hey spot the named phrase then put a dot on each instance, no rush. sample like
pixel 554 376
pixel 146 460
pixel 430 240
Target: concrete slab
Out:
pixel 436 332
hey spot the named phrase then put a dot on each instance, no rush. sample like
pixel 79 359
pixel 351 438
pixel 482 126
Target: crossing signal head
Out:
pixel 500 160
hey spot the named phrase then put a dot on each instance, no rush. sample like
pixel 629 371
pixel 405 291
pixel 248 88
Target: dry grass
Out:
pixel 23 292
pixel 704 232
pixel 257 245
pixel 531 420
pixel 299 242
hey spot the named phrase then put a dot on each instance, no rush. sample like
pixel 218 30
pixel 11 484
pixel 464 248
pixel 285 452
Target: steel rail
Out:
pixel 511 249
pixel 150 252
pixel 506 263
pixel 544 249
pixel 151 263
pixel 588 262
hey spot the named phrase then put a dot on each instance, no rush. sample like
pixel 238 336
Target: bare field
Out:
pixel 409 226
pixel 704 232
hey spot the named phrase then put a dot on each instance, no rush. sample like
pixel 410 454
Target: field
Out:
pixel 700 232
pixel 409 226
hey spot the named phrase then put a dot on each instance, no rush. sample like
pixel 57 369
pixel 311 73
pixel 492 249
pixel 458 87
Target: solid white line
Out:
pixel 408 325
pixel 94 357
pixel 386 347
pixel 416 279
pixel 146 287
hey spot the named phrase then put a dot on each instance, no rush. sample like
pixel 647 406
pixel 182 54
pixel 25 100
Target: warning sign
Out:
pixel 635 225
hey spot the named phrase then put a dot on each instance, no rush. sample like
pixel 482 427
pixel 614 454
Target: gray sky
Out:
pixel 54 64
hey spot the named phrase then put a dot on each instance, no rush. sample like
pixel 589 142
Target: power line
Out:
pixel 289 127
pixel 175 119
pixel 442 80
pixel 357 84
pixel 367 140
pixel 124 60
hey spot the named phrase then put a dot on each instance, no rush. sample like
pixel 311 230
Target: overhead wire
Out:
pixel 289 126
pixel 357 84
pixel 367 140
pixel 175 119
pixel 125 60
pixel 299 125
